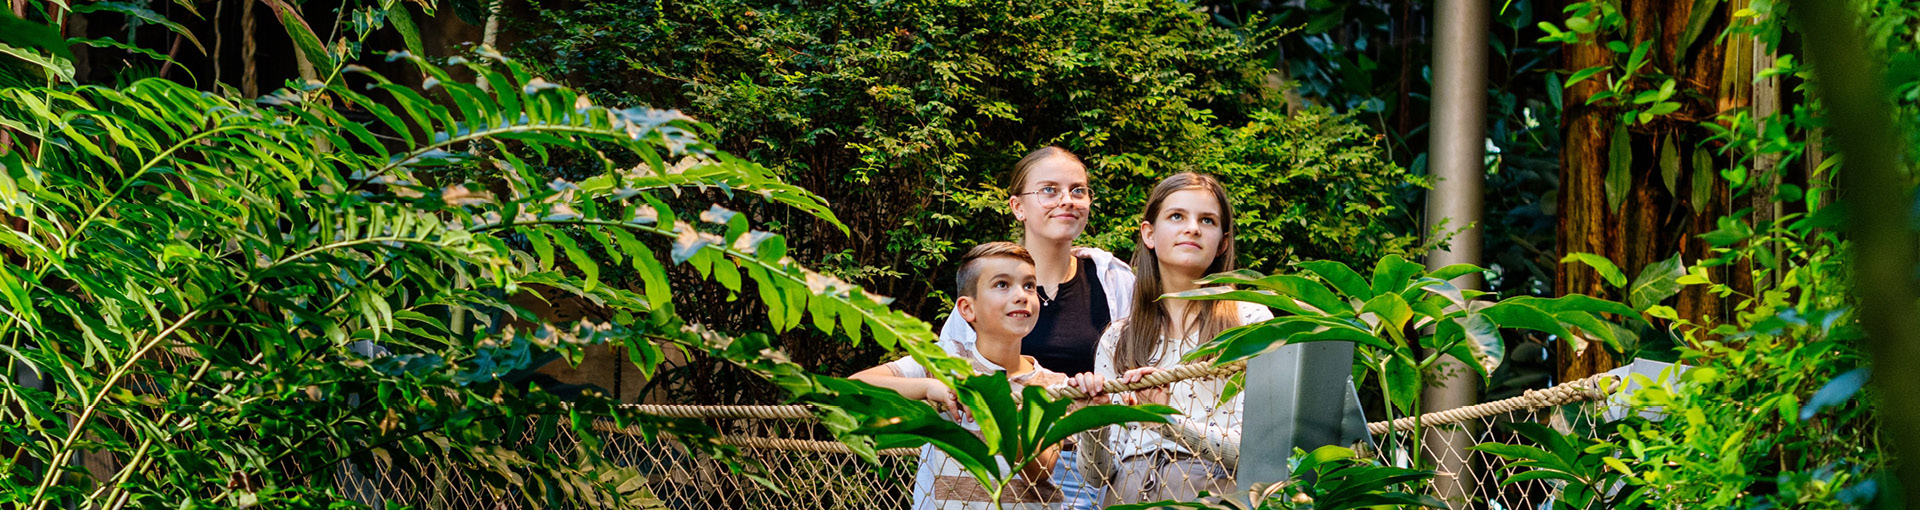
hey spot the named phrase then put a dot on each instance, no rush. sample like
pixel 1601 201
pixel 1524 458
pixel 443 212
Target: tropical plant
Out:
pixel 224 298
pixel 1014 428
pixel 1330 478
pixel 1591 477
pixel 1773 417
pixel 1404 320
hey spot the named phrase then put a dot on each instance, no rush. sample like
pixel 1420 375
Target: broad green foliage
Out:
pixel 1331 478
pixel 1585 465
pixel 1773 414
pixel 1655 283
pixel 1404 320
pixel 1015 428
pixel 230 297
pixel 1385 317
pixel 908 115
pixel 1771 418
pixel 1772 411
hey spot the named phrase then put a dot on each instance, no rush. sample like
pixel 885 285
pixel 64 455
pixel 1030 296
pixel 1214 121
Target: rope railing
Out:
pixel 805 467
pixel 1582 390
pixel 801 412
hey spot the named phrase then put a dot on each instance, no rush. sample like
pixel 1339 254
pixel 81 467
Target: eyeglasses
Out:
pixel 1052 193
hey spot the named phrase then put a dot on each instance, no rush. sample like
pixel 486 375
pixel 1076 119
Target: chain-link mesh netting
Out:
pixel 1472 479
pixel 811 471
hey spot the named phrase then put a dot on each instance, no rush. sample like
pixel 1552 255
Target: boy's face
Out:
pixel 1004 301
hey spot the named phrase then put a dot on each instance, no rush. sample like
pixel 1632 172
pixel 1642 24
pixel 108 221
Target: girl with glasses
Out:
pixel 1080 289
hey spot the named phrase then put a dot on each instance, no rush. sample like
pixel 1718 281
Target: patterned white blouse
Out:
pixel 1198 400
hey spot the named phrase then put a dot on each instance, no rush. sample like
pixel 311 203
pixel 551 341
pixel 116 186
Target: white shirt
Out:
pixel 935 463
pixel 1198 400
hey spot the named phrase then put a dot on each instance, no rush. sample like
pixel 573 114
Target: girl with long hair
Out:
pixel 1186 233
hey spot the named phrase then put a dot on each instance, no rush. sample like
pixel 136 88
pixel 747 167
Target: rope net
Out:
pixel 1115 465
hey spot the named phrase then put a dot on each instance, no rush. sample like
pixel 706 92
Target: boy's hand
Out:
pixel 943 400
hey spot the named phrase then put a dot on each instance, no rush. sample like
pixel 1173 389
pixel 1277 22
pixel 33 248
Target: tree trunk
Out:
pixel 1653 222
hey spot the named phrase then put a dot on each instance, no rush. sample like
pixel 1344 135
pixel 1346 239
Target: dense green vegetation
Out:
pixel 907 117
pixel 219 290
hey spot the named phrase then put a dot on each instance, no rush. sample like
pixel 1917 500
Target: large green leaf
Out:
pixel 50 66
pixel 1341 276
pixel 989 398
pixel 1605 267
pixel 1094 417
pixel 1619 179
pixel 1516 314
pixel 136 11
pixel 396 11
pixel 1403 382
pixel 1483 338
pixel 1312 293
pixel 303 35
pixel 1454 271
pixel 1697 16
pixel 1592 325
pixel 1670 166
pixel 24 34
pixel 1240 276
pixel 1657 282
pixel 1446 290
pixel 896 422
pixel 1581 303
pixel 1394 275
pixel 1701 191
pixel 1393 311
pixel 1248 341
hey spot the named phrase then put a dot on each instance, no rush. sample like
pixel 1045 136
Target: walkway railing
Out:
pixel 814 471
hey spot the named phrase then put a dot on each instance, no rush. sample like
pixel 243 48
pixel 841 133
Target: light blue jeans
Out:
pixel 1074 492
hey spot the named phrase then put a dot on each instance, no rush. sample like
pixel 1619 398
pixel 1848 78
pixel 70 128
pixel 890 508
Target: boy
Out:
pixel 997 298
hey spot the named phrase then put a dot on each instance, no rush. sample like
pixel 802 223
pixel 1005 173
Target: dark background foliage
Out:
pixel 907 115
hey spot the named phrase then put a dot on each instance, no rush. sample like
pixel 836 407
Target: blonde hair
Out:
pixel 1024 167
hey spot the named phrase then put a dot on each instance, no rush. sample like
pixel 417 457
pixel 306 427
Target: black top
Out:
pixel 1068 329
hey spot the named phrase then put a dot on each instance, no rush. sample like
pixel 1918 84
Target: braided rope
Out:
pixel 1580 390
pixel 801 412
pixel 774 412
pixel 1161 378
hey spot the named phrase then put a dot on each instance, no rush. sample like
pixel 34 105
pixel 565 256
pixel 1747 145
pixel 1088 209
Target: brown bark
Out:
pixel 249 75
pixel 1653 223
pixel 1584 221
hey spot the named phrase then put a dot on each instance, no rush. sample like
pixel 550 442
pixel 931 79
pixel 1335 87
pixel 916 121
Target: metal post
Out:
pixel 1457 163
pixel 1298 396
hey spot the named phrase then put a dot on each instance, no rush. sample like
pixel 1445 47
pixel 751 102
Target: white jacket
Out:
pixel 1116 278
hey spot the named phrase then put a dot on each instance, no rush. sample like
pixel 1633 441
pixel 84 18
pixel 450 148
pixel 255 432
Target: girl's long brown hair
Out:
pixel 1140 336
